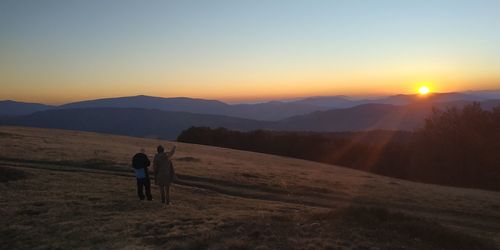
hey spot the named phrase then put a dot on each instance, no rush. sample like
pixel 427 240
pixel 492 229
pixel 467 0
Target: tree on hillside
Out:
pixel 458 147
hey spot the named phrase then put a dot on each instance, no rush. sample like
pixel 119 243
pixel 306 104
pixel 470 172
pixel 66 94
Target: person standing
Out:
pixel 140 163
pixel 164 172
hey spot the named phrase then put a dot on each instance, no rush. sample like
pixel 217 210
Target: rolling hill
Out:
pixel 150 102
pixel 153 123
pixel 373 116
pixel 68 189
pixel 260 111
pixel 267 111
pixel 362 117
pixel 336 102
pixel 129 121
pixel 329 101
pixel 13 108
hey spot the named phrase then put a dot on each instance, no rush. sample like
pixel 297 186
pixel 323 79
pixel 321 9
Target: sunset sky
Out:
pixel 60 51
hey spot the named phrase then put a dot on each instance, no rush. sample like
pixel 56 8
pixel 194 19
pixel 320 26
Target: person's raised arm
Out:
pixel 171 153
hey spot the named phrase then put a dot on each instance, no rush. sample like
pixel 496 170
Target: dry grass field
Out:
pixel 67 189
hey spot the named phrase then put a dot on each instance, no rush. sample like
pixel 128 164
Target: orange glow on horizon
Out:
pixel 241 92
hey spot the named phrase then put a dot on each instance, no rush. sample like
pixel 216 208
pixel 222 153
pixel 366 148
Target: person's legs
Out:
pixel 167 191
pixel 162 193
pixel 147 185
pixel 140 185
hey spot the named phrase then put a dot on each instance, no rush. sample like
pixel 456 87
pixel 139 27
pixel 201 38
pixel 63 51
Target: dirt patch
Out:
pixel 11 174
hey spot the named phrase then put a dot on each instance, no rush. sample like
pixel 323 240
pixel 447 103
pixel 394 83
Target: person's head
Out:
pixel 143 150
pixel 160 149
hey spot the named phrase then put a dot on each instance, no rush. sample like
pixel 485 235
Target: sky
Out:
pixel 245 51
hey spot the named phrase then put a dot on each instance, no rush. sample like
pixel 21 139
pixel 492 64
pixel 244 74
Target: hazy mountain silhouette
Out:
pixel 346 102
pixel 9 107
pixel 268 111
pixel 129 121
pixel 362 117
pixel 168 124
pixel 147 116
pixel 271 111
pixel 328 101
pixel 485 94
pixel 150 102
pixel 434 97
pixel 261 111
pixel 378 116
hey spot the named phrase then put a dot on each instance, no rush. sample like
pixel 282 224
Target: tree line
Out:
pixel 455 146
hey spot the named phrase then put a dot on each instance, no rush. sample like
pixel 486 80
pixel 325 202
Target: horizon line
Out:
pixel 256 101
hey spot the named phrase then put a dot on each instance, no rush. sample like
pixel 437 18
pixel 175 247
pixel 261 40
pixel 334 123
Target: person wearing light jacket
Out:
pixel 164 172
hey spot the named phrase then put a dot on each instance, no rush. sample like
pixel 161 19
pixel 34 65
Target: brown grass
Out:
pixel 67 189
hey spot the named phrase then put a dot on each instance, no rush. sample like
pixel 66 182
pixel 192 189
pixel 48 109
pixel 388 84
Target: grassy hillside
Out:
pixel 68 189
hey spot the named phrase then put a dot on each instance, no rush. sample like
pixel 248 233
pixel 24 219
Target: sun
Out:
pixel 424 90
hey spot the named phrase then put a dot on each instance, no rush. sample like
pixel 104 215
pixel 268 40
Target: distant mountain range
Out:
pixel 262 111
pixel 268 111
pixel 21 108
pixel 157 117
pixel 149 123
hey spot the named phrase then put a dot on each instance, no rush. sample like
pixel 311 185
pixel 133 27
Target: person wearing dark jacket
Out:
pixel 140 163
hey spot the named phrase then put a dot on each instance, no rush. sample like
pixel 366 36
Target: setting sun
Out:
pixel 424 90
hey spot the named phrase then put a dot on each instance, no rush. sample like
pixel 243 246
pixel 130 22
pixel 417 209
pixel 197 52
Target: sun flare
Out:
pixel 424 90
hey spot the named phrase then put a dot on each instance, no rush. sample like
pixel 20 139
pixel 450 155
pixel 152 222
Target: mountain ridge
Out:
pixel 11 107
pixel 266 111
pixel 169 124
